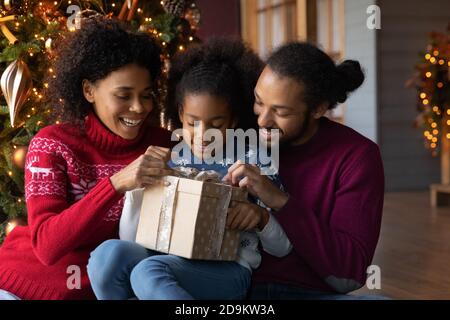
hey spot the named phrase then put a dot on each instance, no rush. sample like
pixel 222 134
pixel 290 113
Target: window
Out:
pixel 267 24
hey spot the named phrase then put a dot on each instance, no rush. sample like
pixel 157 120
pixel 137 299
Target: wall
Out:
pixel 405 25
pixel 360 44
pixel 219 18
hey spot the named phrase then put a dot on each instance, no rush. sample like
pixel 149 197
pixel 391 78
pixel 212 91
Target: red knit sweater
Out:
pixel 72 207
pixel 333 215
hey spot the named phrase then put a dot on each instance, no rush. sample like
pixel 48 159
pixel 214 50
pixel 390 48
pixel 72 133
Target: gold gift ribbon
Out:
pixel 166 215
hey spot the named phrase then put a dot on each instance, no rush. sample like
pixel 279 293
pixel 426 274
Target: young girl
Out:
pixel 210 87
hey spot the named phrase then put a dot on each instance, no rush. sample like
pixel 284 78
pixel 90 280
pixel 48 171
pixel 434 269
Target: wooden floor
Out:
pixel 414 249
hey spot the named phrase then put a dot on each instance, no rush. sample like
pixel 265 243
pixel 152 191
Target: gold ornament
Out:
pixel 18 157
pixel 5 30
pixel 12 223
pixel 16 85
pixel 128 10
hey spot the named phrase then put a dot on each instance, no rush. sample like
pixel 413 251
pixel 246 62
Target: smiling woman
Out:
pixel 77 172
pixel 123 100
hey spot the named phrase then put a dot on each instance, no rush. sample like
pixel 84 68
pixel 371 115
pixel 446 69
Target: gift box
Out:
pixel 187 218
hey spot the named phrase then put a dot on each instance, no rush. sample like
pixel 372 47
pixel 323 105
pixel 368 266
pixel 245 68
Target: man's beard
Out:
pixel 303 130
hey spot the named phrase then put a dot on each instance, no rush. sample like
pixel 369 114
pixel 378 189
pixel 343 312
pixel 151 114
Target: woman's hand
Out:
pixel 146 170
pixel 247 175
pixel 247 216
pixel 159 153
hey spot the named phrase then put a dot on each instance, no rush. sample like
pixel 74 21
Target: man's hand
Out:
pixel 248 175
pixel 247 216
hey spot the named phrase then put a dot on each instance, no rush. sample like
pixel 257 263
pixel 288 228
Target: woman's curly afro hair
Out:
pixel 222 67
pixel 323 79
pixel 92 52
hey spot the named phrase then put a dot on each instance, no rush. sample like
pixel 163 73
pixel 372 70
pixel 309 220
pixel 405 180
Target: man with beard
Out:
pixel 333 176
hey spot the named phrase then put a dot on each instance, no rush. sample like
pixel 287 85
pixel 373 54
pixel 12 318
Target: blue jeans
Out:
pixel 123 270
pixel 274 291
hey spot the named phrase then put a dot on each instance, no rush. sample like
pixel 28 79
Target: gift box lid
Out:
pixel 209 189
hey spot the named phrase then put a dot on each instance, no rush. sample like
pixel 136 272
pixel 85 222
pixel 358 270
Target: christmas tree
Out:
pixel 432 82
pixel 31 30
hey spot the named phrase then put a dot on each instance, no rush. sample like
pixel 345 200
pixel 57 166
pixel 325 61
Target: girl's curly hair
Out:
pixel 92 52
pixel 222 67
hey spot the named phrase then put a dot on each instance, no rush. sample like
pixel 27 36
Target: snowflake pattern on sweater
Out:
pixel 50 163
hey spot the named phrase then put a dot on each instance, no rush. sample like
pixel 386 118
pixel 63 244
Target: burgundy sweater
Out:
pixel 72 207
pixel 333 216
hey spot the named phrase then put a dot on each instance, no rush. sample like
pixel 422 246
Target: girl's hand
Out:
pixel 146 170
pixel 247 175
pixel 247 216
